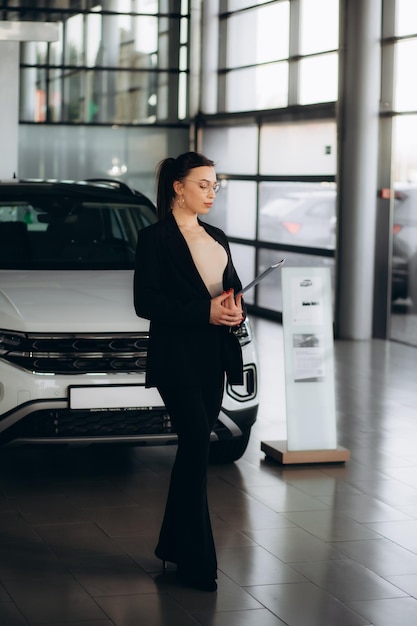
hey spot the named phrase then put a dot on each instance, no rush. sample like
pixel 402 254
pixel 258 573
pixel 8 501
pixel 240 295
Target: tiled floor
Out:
pixel 320 545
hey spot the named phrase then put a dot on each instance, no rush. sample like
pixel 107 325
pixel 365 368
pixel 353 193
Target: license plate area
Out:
pixel 112 397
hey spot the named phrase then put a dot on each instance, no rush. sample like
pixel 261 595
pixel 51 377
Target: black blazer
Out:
pixel 169 291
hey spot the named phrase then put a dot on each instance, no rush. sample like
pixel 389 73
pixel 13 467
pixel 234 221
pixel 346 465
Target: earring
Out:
pixel 181 201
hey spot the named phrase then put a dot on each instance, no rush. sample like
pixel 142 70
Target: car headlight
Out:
pixel 10 341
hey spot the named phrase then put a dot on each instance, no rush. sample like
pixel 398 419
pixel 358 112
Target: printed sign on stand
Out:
pixel 309 370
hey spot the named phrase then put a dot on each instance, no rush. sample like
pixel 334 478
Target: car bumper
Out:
pixel 111 408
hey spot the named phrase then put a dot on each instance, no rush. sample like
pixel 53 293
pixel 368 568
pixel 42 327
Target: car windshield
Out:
pixel 60 233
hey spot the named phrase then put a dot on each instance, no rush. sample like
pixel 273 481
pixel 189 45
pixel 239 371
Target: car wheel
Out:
pixel 229 450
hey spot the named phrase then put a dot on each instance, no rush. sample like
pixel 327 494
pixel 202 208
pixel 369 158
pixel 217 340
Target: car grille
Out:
pixel 76 353
pixel 63 423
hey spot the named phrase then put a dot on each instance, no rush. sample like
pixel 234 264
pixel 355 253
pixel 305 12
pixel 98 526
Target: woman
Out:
pixel 185 284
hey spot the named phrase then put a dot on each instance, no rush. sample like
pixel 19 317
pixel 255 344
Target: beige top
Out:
pixel 209 256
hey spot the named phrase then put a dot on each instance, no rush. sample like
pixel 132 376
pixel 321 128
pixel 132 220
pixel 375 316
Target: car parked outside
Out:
pixel 72 350
pixel 301 217
pixel 304 215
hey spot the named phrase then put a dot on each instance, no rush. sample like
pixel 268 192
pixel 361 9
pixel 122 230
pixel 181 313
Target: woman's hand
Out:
pixel 225 311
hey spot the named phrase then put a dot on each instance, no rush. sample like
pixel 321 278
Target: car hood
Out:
pixel 68 301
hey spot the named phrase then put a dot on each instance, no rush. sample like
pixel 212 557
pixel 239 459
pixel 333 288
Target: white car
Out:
pixel 72 350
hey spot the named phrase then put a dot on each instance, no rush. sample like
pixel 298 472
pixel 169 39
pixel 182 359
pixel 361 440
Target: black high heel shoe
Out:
pixel 164 560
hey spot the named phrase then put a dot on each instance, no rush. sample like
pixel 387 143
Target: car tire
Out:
pixel 229 450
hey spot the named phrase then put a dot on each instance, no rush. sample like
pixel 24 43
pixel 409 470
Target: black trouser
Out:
pixel 186 536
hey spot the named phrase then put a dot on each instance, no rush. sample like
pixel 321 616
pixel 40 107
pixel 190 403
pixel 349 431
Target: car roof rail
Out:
pixel 113 182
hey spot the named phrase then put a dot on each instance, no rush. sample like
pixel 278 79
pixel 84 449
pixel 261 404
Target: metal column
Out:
pixel 359 101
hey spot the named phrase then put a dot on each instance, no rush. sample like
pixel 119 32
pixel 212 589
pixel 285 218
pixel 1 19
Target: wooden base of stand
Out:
pixel 278 451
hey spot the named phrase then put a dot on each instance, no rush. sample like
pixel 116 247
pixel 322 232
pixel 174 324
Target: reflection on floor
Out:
pixel 327 545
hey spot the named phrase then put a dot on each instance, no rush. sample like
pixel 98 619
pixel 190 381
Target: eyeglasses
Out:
pixel 205 185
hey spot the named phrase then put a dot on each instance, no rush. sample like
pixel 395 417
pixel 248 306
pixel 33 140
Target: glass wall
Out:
pixel 116 62
pixel 274 54
pixel 263 64
pixel 274 137
pixel 399 49
pixel 318 44
pixel 277 97
pixel 127 153
pixel 403 325
pixel 268 215
pixel 109 98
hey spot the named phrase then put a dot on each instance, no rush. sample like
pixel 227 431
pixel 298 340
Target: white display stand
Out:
pixel 309 370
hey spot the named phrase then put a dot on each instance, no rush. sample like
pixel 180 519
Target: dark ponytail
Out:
pixel 169 170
